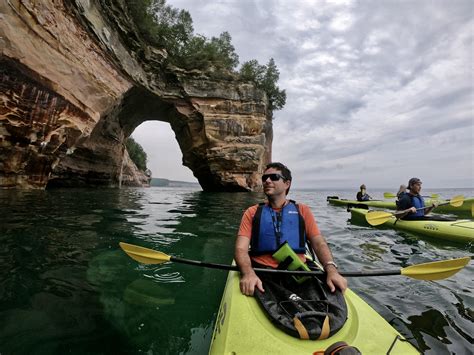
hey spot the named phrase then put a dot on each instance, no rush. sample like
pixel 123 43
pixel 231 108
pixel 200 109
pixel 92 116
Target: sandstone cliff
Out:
pixel 76 80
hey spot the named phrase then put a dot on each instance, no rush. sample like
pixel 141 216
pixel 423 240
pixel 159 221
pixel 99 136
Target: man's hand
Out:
pixel 335 280
pixel 248 279
pixel 248 282
pixel 429 209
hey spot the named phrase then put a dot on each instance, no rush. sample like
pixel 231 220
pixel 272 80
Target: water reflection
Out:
pixel 65 283
pixel 199 226
pixel 433 325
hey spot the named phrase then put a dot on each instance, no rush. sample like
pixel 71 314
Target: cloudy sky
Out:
pixel 378 91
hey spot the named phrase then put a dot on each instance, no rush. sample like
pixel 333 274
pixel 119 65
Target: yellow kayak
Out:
pixel 243 328
pixel 459 231
pixel 466 209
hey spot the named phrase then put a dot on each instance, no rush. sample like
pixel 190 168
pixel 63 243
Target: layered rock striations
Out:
pixel 76 80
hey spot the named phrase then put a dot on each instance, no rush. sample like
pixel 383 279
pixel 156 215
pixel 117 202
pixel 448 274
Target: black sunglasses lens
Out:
pixel 273 177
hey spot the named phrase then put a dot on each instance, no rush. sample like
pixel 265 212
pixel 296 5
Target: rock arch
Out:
pixel 73 90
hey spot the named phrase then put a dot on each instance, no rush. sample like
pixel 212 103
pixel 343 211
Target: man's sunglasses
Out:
pixel 273 177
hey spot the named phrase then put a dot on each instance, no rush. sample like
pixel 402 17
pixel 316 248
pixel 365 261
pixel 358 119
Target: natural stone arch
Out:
pixel 221 141
pixel 100 80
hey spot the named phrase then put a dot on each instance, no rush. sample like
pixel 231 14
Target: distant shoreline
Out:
pixel 160 182
pixel 376 188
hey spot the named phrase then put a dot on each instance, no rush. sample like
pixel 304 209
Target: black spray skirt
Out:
pixel 300 309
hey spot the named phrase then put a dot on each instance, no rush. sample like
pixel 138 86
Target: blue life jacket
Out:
pixel 271 229
pixel 417 202
pixel 365 197
pixel 362 197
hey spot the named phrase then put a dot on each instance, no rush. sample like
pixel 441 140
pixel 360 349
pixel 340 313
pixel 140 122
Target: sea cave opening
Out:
pixel 164 156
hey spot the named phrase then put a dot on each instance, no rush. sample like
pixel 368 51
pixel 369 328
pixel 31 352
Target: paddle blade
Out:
pixel 144 255
pixel 375 218
pixel 436 270
pixel 457 201
pixel 434 196
pixel 388 195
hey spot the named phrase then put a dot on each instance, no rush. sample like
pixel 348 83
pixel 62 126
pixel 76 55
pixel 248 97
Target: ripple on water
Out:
pixel 161 275
pixel 164 239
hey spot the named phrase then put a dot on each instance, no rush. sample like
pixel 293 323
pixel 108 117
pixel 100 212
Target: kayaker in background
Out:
pixel 412 205
pixel 362 195
pixel 402 191
pixel 279 219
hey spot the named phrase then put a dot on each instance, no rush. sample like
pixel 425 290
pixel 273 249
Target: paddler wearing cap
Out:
pixel 412 204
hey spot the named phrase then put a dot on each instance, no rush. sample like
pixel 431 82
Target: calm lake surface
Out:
pixel 66 287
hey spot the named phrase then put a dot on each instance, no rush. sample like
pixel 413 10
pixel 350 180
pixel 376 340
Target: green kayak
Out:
pixel 465 209
pixel 243 328
pixel 334 200
pixel 460 230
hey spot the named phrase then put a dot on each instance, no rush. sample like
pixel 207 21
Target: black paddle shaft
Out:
pixel 286 272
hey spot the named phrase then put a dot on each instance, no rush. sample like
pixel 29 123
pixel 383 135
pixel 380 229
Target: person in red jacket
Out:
pixel 279 218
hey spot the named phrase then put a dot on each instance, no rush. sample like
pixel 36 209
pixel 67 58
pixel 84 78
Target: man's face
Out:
pixel 274 187
pixel 415 188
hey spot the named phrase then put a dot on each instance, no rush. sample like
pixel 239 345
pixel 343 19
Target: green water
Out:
pixel 66 287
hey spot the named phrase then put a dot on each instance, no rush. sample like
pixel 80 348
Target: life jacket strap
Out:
pixel 256 227
pixel 301 225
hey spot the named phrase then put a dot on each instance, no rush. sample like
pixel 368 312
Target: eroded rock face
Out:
pixel 76 80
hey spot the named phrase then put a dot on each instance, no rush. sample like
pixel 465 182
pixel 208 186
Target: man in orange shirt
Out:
pixel 272 228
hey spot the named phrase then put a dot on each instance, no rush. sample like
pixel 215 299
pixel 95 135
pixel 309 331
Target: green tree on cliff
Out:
pixel 172 29
pixel 164 26
pixel 266 78
pixel 136 153
pixel 201 53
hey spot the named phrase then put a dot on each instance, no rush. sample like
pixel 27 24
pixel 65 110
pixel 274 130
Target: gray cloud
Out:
pixel 376 90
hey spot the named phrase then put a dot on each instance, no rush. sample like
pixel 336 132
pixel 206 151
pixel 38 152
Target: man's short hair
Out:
pixel 412 182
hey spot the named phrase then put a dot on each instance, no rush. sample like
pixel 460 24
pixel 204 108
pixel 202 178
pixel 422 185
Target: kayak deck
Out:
pixel 464 210
pixel 371 203
pixel 243 328
pixel 461 230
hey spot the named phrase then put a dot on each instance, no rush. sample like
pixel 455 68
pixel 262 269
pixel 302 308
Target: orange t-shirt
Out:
pixel 245 230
